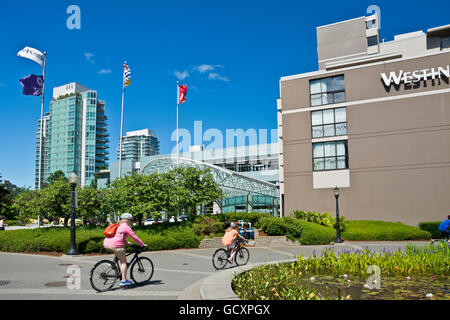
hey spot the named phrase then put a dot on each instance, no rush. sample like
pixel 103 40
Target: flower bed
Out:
pixel 410 274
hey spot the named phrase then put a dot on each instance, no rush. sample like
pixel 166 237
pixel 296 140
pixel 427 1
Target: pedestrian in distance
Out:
pixel 2 223
pixel 444 228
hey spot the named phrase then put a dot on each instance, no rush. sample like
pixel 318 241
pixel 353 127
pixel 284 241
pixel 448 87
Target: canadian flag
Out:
pixel 182 90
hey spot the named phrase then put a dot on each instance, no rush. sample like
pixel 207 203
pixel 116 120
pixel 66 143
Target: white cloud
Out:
pixel 216 76
pixel 105 71
pixel 207 67
pixel 89 57
pixel 181 75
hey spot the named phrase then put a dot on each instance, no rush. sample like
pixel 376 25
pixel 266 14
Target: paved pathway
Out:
pixel 179 274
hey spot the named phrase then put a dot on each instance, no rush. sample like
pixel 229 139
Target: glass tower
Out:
pixel 76 133
pixel 138 144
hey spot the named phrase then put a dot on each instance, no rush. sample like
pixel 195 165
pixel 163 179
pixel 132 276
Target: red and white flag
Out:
pixel 182 90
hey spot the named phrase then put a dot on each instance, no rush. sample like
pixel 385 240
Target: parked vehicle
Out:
pixel 149 222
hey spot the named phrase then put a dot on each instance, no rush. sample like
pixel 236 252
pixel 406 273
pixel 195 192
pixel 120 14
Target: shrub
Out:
pixel 207 226
pixel 90 240
pixel 363 230
pixel 273 226
pixel 324 219
pixel 431 227
pixel 252 217
pixel 294 228
pixel 313 233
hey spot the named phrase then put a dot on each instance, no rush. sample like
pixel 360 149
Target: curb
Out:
pixel 218 286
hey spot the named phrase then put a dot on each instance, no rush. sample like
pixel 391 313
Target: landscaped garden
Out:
pixel 189 234
pixel 415 273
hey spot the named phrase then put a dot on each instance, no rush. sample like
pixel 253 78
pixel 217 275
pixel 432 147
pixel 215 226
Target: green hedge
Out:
pixel 431 227
pixel 363 230
pixel 90 240
pixel 304 232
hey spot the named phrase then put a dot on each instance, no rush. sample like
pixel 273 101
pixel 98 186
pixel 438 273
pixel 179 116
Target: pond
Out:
pixel 390 288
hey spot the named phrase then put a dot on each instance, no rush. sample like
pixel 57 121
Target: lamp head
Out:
pixel 73 179
pixel 336 192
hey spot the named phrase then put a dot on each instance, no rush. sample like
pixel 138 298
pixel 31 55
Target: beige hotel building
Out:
pixel 374 120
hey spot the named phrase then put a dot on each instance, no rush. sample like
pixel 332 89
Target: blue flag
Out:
pixel 32 85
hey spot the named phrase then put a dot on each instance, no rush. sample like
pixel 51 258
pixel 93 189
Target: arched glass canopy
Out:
pixel 231 183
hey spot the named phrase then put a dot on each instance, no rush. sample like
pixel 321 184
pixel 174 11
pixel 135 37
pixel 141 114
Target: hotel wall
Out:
pixel 398 149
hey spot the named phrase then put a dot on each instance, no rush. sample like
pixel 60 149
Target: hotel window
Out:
pixel 327 91
pixel 329 123
pixel 371 24
pixel 372 41
pixel 445 43
pixel 331 155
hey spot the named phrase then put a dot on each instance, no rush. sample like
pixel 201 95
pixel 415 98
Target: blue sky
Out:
pixel 230 53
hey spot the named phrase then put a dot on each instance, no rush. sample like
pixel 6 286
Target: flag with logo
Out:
pixel 32 54
pixel 126 74
pixel 32 85
pixel 182 91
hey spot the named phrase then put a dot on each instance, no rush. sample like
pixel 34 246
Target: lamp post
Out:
pixel 73 180
pixel 338 228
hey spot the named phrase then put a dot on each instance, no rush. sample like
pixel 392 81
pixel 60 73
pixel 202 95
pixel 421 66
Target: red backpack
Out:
pixel 110 230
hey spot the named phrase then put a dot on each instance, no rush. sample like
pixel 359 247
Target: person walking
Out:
pixel 2 223
pixel 117 243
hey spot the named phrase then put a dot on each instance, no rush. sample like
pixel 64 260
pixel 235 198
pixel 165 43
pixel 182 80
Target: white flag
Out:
pixel 32 54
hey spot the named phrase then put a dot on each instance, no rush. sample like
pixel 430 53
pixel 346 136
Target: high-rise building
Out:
pixel 373 120
pixel 138 144
pixel 76 133
pixel 44 160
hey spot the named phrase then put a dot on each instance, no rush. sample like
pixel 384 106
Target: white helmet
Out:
pixel 126 216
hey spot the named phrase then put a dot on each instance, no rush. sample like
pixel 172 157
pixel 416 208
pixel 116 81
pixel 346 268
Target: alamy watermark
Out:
pixel 74 279
pixel 374 281
pixel 214 139
pixel 374 9
pixel 74 20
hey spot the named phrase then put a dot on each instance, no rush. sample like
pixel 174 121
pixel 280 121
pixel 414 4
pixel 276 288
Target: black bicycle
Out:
pixel 221 256
pixel 105 273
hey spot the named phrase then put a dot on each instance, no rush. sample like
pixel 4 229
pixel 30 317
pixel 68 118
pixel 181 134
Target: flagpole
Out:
pixel 121 133
pixel 42 123
pixel 178 102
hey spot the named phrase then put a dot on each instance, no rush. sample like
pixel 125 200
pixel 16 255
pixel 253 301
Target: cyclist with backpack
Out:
pixel 115 241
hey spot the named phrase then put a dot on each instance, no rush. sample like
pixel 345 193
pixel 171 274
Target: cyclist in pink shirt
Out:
pixel 117 244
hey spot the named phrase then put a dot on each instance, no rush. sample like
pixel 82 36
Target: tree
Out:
pixel 133 194
pixel 57 199
pixel 5 200
pixel 195 187
pixel 57 176
pixel 29 204
pixel 90 204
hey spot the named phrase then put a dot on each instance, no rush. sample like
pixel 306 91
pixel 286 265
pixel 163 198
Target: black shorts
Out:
pixel 445 234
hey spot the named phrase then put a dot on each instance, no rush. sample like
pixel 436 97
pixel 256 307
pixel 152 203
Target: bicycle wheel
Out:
pixel 141 270
pixel 219 259
pixel 242 256
pixel 104 275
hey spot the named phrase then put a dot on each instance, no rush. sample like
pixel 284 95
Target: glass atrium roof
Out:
pixel 232 183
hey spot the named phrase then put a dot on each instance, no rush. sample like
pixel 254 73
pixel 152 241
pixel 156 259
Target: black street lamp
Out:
pixel 73 179
pixel 338 228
